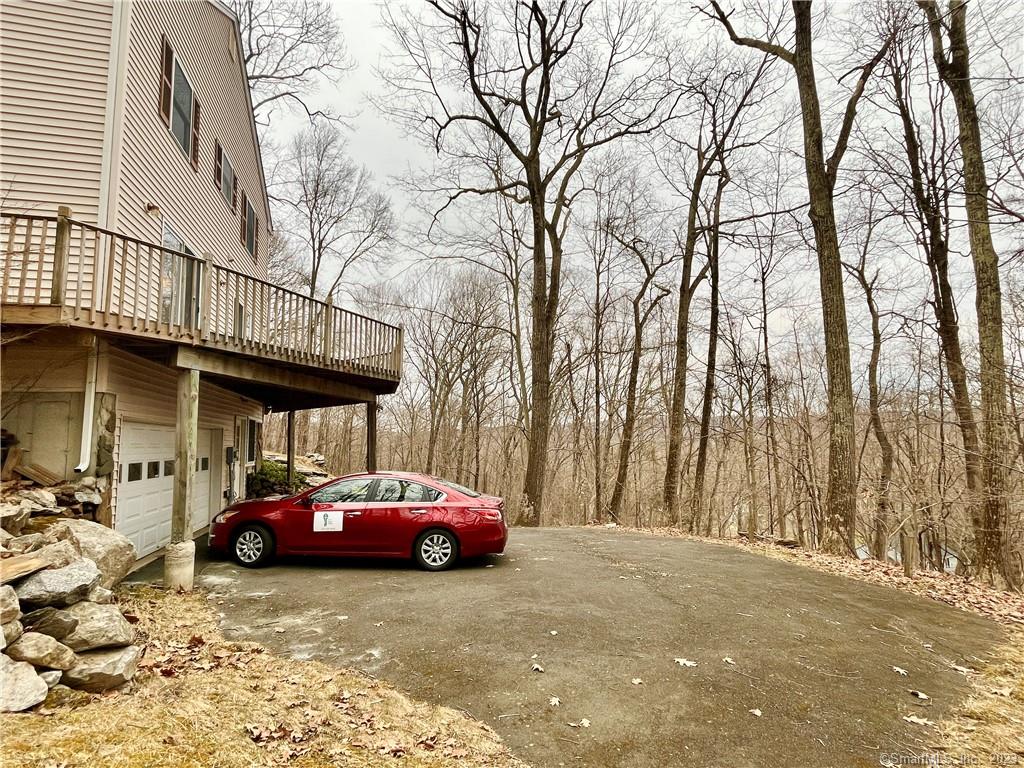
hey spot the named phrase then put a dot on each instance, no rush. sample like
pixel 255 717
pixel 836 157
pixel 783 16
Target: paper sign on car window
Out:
pixel 328 521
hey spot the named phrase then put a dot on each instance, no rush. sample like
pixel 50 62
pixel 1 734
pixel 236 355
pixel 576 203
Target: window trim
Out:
pixel 244 230
pixel 175 63
pixel 220 158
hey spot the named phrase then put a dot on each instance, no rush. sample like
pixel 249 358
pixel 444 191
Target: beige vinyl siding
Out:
pixel 154 169
pixel 54 58
pixel 147 392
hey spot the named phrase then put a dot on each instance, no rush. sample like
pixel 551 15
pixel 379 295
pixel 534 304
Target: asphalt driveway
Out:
pixel 600 610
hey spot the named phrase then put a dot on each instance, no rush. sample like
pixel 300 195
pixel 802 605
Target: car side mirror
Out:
pixel 306 501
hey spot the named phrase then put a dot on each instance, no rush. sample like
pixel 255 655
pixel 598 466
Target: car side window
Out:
pixel 351 491
pixel 398 491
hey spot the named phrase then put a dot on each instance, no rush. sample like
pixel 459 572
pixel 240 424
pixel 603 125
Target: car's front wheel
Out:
pixel 436 550
pixel 253 546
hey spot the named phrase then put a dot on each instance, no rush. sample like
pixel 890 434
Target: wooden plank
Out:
pixel 371 436
pixel 13 459
pixel 39 474
pixel 12 568
pixel 61 248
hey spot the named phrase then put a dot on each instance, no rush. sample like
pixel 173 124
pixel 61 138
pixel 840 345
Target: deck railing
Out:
pixel 119 283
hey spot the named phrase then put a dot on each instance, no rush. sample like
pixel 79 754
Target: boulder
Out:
pixel 4 538
pixel 20 686
pixel 39 498
pixel 50 621
pixel 98 671
pixel 59 554
pixel 9 608
pixel 99 626
pixel 101 595
pixel 13 518
pixel 27 543
pixel 60 586
pixel 51 677
pixel 41 651
pixel 112 552
pixel 11 631
pixel 88 497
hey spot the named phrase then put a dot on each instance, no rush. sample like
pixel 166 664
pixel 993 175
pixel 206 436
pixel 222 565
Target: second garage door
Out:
pixel 146 485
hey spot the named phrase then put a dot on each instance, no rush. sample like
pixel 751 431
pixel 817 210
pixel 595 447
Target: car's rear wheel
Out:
pixel 436 550
pixel 253 546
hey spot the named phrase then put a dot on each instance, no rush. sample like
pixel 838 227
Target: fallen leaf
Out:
pixel 583 723
pixel 637 681
pixel 900 671
pixel 554 701
pixel 280 630
pixel 553 632
pixel 1002 691
pixel 920 695
pixel 917 720
pixel 755 712
pixel 536 667
pixel 964 670
pixel 727 660
pixel 685 663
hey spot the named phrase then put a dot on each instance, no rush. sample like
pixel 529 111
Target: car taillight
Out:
pixel 488 513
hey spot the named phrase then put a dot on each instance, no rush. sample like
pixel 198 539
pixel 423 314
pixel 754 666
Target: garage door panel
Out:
pixel 146 487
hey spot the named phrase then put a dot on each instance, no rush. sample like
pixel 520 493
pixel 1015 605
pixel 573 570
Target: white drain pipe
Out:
pixel 89 409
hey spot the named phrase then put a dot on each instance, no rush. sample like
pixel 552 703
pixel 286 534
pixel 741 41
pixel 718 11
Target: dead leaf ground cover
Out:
pixel 989 724
pixel 200 701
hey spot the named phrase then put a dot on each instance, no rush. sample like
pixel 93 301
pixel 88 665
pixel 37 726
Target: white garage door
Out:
pixel 146 485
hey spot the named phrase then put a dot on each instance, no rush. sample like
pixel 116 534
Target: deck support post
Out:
pixel 61 252
pixel 179 562
pixel 371 436
pixel 290 459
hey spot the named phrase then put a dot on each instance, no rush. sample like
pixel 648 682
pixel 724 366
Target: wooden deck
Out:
pixel 60 271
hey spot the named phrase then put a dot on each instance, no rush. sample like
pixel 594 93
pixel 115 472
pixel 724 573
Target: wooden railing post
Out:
pixel 61 250
pixel 399 345
pixel 205 299
pixel 328 349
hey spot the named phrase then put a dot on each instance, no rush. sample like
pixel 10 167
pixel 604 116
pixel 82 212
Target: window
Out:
pixel 152 470
pixel 168 467
pixel 249 235
pixel 458 487
pixel 351 491
pixel 180 281
pixel 252 440
pixel 224 176
pixel 179 107
pixel 399 491
pixel 134 471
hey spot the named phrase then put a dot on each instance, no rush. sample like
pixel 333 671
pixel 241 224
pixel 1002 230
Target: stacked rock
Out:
pixel 60 627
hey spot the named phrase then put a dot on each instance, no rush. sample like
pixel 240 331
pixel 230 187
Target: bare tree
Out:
pixel 516 98
pixel 331 207
pixel 821 181
pixel 289 48
pixel 953 66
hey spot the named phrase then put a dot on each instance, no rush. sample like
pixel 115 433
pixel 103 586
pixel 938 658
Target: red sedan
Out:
pixel 381 514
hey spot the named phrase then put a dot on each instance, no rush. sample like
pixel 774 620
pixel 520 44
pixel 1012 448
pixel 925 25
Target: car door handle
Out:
pixel 353 514
pixel 417 511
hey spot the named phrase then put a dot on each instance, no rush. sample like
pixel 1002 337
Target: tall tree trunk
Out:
pixel 936 248
pixel 696 500
pixel 954 70
pixel 841 501
pixel 677 400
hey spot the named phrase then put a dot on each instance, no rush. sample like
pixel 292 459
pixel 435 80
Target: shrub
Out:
pixel 271 478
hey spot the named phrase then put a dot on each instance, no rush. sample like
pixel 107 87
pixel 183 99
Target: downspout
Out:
pixel 88 410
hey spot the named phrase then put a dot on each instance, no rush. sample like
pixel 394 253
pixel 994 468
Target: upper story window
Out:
pixel 179 107
pixel 224 176
pixel 249 234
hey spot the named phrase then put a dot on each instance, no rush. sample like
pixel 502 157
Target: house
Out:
pixel 142 341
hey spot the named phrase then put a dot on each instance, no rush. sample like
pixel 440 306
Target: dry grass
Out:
pixel 202 702
pixel 990 722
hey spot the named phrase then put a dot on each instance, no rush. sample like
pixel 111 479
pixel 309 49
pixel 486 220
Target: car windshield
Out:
pixel 458 487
